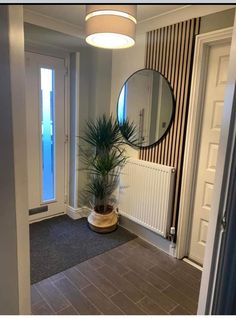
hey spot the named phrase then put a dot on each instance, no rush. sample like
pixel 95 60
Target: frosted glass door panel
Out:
pixel 47 133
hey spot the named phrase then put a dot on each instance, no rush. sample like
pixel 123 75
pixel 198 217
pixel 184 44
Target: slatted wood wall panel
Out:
pixel 169 50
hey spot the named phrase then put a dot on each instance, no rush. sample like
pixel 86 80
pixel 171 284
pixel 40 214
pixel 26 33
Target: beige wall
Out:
pixel 216 21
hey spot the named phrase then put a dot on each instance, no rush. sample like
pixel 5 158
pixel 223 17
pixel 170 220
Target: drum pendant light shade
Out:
pixel 111 26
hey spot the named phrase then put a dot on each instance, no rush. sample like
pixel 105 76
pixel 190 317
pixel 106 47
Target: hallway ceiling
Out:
pixel 75 14
pixel 72 16
pixel 37 34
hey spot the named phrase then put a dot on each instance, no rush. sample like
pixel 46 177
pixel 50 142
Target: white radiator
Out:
pixel 146 194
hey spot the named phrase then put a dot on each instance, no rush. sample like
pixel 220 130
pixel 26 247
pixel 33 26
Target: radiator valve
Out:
pixel 172 231
pixel 172 244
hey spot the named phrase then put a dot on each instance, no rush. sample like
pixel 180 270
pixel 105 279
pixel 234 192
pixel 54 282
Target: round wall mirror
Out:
pixel 146 101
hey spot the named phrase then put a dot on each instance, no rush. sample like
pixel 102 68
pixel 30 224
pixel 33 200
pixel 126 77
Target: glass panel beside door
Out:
pixel 47 134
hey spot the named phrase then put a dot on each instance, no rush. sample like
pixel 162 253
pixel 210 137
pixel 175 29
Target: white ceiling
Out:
pixel 36 34
pixel 75 14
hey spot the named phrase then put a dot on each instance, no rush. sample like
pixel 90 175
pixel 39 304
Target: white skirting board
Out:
pixel 39 219
pixel 147 235
pixel 77 213
pixel 192 263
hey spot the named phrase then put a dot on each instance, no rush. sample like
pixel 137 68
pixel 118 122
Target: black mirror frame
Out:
pixel 172 115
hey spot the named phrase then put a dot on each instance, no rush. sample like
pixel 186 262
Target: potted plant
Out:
pixel 104 156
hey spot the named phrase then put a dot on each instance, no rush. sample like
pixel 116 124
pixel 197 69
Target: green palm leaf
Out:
pixel 103 157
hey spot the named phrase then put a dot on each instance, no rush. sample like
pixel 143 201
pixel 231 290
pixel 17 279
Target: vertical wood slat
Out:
pixel 169 50
pixel 166 74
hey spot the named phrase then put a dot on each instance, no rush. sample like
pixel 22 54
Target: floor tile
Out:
pixel 181 299
pixel 179 310
pixel 187 278
pixel 76 278
pixel 167 262
pixel 176 282
pixel 113 263
pixel 162 300
pixel 103 303
pixel 193 271
pixel 99 281
pixel 57 276
pixel 147 245
pixel 116 253
pixel 138 258
pixel 35 296
pixel 122 283
pixel 95 262
pixel 150 307
pixel 70 310
pixel 76 298
pixel 126 305
pixel 42 308
pixel 139 268
pixel 54 298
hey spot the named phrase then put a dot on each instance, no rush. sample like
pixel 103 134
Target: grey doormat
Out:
pixel 60 243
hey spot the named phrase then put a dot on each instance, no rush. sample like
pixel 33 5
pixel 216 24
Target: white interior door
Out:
pixel 45 113
pixel 210 135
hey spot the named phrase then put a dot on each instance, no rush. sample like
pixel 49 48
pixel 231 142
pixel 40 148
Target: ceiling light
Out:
pixel 111 26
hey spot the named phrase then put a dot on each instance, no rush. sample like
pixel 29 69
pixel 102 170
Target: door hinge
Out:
pixel 66 71
pixel 66 139
pixel 223 223
pixel 65 198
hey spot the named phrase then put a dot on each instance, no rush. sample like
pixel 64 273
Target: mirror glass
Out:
pixel 146 100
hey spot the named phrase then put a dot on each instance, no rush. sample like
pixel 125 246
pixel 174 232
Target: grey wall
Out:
pixel 84 96
pixel 14 227
pixel 8 265
pixel 100 85
pixel 90 81
pixel 73 128
pixel 216 21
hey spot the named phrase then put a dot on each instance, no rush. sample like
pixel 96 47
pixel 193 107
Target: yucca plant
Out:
pixel 103 157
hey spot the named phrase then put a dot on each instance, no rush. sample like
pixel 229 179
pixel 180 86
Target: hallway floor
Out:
pixel 134 279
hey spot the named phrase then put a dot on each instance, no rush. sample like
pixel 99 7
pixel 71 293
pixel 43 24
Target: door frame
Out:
pixel 65 56
pixel 191 152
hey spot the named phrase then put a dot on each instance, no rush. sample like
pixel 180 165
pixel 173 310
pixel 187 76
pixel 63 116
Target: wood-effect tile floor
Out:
pixel 134 279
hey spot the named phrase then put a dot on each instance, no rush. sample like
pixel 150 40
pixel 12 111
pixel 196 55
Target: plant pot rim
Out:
pixel 110 209
pixel 103 214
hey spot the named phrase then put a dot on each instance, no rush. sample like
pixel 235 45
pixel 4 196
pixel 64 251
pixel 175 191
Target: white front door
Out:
pixel 45 113
pixel 216 80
